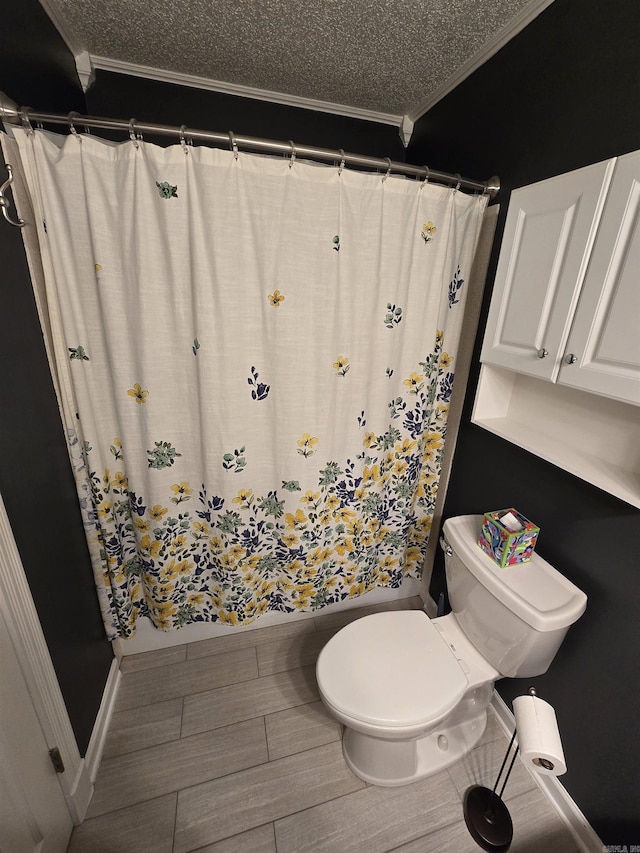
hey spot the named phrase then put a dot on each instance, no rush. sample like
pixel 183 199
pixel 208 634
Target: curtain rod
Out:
pixel 14 115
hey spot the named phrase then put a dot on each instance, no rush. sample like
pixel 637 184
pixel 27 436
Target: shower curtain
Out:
pixel 254 358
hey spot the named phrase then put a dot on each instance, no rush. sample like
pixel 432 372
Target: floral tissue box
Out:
pixel 508 537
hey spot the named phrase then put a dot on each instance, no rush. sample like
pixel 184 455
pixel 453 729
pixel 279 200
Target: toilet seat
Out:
pixel 391 669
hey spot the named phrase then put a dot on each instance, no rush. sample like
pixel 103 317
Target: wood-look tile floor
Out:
pixel 223 746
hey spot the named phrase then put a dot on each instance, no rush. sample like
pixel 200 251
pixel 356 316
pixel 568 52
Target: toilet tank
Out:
pixel 516 617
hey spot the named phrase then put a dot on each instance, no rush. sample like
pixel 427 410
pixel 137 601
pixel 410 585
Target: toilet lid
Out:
pixel 391 669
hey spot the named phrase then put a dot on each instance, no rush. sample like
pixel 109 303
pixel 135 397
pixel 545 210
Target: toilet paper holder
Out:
pixel 485 814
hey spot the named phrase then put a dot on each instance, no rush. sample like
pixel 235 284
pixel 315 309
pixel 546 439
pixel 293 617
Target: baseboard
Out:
pixel 103 718
pixel 80 795
pixel 431 608
pixel 577 824
pixel 82 791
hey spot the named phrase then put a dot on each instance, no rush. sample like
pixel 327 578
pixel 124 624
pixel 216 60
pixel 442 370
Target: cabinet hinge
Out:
pixel 56 760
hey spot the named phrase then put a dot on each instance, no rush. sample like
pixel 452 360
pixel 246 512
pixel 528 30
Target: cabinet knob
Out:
pixel 571 358
pixel 543 353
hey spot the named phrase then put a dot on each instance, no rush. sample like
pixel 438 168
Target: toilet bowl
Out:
pixel 413 692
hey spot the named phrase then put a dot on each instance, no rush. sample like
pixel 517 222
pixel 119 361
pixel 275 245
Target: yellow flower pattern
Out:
pixel 341 365
pixel 138 394
pixel 364 521
pixel 243 498
pixel 428 231
pixel 181 492
pixel 306 445
pixel 415 383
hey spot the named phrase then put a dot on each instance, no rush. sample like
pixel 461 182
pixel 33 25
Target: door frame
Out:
pixel 31 649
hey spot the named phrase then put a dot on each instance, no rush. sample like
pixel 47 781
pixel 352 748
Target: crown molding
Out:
pixel 85 69
pixel 406 130
pixel 107 64
pixel 490 47
pixel 87 63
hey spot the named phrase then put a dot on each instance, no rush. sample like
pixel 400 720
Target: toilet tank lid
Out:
pixel 534 591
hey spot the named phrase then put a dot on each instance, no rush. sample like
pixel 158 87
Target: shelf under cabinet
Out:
pixel 593 437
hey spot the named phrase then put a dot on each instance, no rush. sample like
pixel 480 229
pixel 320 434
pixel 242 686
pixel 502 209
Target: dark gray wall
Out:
pixel 562 94
pixel 35 477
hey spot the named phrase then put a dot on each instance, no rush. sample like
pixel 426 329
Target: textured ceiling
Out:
pixel 388 56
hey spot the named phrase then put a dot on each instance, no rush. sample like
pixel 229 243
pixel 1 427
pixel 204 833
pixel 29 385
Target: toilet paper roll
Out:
pixel 538 736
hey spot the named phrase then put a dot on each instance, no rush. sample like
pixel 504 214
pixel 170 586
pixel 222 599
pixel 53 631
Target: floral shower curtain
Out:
pixel 255 359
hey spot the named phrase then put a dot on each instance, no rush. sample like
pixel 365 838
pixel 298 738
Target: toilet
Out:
pixel 412 692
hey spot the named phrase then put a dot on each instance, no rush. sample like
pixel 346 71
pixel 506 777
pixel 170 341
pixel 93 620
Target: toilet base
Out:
pixel 390 763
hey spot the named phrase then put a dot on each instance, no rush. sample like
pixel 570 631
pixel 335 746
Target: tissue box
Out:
pixel 507 547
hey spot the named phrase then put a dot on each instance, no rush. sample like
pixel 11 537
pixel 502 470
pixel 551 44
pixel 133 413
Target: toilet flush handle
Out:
pixel 448 550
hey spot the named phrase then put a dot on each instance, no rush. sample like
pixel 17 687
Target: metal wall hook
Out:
pixel 4 201
pixel 292 159
pixel 233 144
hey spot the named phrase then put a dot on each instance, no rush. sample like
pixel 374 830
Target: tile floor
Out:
pixel 222 746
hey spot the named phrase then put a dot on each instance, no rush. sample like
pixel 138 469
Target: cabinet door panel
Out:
pixel 605 336
pixel 548 235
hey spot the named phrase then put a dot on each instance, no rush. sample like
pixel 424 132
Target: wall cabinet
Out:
pixel 566 301
pixel 602 353
pixel 561 352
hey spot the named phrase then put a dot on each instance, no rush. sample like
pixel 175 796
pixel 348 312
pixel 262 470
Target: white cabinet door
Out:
pixel 548 236
pixel 603 350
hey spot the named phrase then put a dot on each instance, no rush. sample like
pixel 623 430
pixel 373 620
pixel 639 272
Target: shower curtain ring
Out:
pixel 459 179
pixel 133 134
pixel 70 118
pixel 426 177
pixel 388 162
pixel 341 166
pixel 233 144
pixel 183 142
pixel 292 159
pixel 24 115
